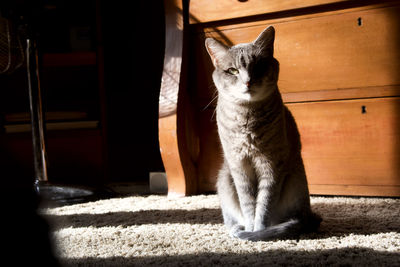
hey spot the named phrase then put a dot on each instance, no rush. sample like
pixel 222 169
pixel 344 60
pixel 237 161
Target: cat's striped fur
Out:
pixel 262 184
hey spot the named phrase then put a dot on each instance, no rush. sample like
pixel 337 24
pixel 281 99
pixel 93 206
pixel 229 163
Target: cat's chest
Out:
pixel 244 144
pixel 236 135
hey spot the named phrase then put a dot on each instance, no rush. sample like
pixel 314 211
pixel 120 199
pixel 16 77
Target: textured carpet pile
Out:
pixel 157 230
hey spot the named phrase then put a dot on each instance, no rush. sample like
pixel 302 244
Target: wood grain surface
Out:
pixel 341 50
pixel 203 11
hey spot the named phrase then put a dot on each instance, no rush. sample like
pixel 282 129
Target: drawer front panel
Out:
pixel 204 11
pixel 354 142
pixel 349 147
pixel 349 50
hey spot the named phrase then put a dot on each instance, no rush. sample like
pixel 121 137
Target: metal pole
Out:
pixel 37 116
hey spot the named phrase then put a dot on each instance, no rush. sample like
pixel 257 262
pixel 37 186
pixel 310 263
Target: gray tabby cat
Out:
pixel 262 185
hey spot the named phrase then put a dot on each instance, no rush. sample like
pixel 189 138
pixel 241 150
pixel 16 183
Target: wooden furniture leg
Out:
pixel 176 125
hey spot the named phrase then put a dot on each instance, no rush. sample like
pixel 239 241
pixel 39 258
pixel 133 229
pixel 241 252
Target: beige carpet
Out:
pixel 156 230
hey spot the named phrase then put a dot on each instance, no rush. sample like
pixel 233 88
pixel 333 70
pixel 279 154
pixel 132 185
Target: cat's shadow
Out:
pixel 338 219
pixel 342 219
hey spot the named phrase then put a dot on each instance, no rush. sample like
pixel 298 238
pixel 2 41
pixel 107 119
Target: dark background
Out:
pixel 131 35
pixel 134 48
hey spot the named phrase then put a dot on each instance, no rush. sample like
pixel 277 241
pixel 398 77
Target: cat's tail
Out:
pixel 289 229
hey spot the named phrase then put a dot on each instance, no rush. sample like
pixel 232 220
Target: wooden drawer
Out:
pixel 204 11
pixel 351 147
pixel 354 49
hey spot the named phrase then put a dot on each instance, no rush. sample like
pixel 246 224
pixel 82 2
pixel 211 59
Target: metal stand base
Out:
pixel 59 195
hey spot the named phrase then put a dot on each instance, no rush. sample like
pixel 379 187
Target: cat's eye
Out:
pixel 233 71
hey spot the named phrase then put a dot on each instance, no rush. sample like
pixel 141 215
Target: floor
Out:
pixel 61 195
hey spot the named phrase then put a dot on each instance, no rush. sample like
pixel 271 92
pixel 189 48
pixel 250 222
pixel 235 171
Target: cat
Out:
pixel 262 184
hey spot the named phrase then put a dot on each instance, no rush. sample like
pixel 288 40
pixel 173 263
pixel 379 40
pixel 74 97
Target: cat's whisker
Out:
pixel 212 86
pixel 213 114
pixel 212 100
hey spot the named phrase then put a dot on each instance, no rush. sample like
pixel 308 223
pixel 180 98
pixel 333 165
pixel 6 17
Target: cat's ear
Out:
pixel 216 50
pixel 265 41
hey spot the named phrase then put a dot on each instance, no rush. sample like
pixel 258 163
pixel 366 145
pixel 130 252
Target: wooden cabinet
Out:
pixel 340 63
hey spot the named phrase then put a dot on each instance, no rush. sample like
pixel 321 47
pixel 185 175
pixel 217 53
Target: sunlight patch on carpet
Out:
pixel 158 230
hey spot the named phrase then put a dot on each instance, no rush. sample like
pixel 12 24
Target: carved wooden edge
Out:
pixel 176 125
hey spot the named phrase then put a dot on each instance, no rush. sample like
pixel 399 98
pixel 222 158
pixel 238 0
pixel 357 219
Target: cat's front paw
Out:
pixel 235 230
pixel 249 226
